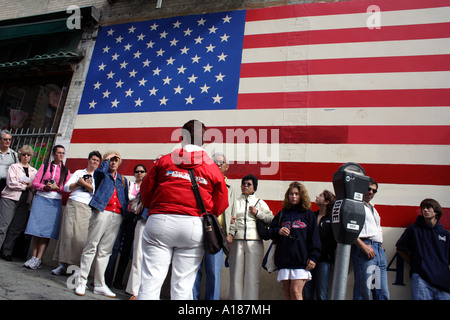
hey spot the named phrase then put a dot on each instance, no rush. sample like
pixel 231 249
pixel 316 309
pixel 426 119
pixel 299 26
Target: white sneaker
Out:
pixel 33 263
pixel 80 290
pixel 61 270
pixel 104 291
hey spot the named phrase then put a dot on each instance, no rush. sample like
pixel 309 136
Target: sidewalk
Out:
pixel 19 283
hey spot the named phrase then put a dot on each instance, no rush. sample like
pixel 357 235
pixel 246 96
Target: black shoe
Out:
pixel 7 258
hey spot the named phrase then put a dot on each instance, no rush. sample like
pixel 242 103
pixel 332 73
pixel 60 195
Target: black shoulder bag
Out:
pixel 213 235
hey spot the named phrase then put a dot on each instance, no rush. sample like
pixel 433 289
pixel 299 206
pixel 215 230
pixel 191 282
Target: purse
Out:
pixel 268 262
pixel 262 227
pixel 214 237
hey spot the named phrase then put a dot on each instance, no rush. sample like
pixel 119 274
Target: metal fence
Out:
pixel 41 140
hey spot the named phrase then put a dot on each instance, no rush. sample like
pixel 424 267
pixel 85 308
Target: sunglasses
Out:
pixel 373 190
pixel 6 139
pixel 139 171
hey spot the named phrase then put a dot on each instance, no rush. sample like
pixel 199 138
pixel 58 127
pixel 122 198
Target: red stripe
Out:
pixel 386 33
pixel 309 171
pixel 344 7
pixel 439 135
pixel 346 99
pixel 344 66
pixel 391 216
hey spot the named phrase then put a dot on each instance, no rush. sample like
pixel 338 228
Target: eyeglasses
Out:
pixel 139 171
pixel 6 139
pixel 219 163
pixel 373 190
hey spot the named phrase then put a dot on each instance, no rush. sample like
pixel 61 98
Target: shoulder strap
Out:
pixel 196 191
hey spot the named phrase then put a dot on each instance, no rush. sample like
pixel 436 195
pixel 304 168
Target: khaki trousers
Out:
pixel 102 233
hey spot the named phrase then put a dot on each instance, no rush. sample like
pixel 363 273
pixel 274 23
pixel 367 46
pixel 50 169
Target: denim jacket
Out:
pixel 104 188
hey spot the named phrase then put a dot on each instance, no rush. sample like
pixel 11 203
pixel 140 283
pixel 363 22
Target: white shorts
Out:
pixel 293 274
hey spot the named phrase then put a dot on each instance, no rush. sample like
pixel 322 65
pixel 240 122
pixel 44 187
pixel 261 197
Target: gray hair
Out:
pixel 218 154
pixel 3 132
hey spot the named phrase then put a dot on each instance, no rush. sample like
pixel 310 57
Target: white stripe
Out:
pixel 348 50
pixel 271 154
pixel 343 82
pixel 389 194
pixel 428 116
pixel 345 21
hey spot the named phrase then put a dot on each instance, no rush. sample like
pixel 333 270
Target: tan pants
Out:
pixel 245 265
pixel 102 233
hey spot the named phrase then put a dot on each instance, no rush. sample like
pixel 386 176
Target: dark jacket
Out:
pixel 303 242
pixel 327 251
pixel 104 188
pixel 429 250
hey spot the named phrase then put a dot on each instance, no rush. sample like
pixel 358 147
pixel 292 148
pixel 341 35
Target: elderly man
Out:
pixel 7 156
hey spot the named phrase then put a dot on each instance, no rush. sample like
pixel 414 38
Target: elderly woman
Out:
pixel 109 203
pixel 15 200
pixel 46 209
pixel 247 248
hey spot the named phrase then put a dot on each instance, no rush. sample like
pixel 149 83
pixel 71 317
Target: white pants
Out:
pixel 134 280
pixel 171 238
pixel 102 233
pixel 245 265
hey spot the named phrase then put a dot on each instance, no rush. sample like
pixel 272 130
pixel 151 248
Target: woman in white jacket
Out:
pixel 247 248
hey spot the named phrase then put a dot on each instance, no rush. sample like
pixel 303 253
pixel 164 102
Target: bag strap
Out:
pixel 197 191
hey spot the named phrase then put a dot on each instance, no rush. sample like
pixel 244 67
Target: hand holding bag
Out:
pixel 268 262
pixel 213 234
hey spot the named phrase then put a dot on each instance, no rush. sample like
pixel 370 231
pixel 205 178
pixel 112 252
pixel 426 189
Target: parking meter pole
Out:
pixel 342 260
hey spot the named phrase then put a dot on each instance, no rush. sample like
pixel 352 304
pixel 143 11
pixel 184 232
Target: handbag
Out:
pixel 262 227
pixel 268 262
pixel 213 235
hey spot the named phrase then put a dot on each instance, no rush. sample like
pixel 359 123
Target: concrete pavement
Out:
pixel 19 283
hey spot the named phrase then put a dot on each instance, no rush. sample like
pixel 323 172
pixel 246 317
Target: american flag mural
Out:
pixel 290 93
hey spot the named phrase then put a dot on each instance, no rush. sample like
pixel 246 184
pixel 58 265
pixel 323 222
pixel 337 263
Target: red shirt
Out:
pixel 114 204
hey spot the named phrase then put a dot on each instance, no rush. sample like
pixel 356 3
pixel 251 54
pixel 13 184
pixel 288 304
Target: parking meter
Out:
pixel 348 215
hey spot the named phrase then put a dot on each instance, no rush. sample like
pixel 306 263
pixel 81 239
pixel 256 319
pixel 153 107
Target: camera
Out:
pixel 87 176
pixel 49 181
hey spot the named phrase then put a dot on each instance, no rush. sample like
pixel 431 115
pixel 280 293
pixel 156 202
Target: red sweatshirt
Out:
pixel 167 189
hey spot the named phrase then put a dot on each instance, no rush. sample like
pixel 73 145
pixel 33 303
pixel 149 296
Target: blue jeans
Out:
pixel 319 284
pixel 422 290
pixel 370 275
pixel 213 266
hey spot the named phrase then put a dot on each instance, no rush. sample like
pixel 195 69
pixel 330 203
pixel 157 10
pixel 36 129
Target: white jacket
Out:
pixel 244 227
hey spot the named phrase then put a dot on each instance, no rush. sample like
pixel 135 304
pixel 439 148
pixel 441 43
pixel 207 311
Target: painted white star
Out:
pixel 150 44
pixel 173 42
pixel 176 24
pixel 207 68
pixel 101 67
pixel 163 34
pixel 217 99
pixel 141 37
pixel 114 103
pixel 160 52
pixel 137 54
pixel 106 94
pixel 167 80
pixel 198 40
pixel 156 71
pixel 170 61
pixel 153 91
pixel 92 104
pixel 195 59
pixel 127 47
pixel 187 32
pixel 115 56
pixel 226 19
pixel 110 32
pixel 210 48
pixel 163 101
pixel 222 57
pixel 131 30
pixel 220 77
pixel 184 50
pixel 189 99
pixel 201 22
pixel 192 78
pixel 212 29
pixel 123 65
pixel 205 88
pixel 129 92
pixel 154 26
pixel 106 49
pixel 178 89
pixel 138 102
pixel 110 75
pixel 119 83
pixel 146 63
pixel 132 73
pixel 97 85
pixel 119 39
pixel 181 69
pixel 142 82
pixel 224 38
